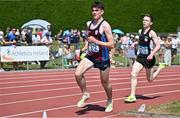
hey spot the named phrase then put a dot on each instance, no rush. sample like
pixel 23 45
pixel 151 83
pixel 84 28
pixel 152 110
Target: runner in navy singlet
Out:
pixel 98 44
pixel 145 58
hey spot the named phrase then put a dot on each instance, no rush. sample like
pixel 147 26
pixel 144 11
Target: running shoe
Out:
pixel 81 102
pixel 130 99
pixel 162 65
pixel 109 107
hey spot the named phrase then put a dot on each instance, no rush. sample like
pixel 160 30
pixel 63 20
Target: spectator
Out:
pixel 75 37
pixel 1 33
pixel 8 30
pixel 36 39
pixel 59 36
pixel 39 32
pixel 10 40
pixel 167 51
pixel 17 34
pixel 123 40
pixel 130 51
pixel 47 31
pixel 161 50
pixel 1 43
pixel 68 55
pixel 47 40
pixel 175 42
pixel 29 37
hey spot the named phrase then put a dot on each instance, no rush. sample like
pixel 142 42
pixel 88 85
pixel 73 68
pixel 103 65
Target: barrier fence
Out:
pixel 30 57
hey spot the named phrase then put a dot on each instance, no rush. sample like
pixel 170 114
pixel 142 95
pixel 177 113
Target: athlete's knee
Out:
pixel 133 75
pixel 150 78
pixel 105 83
pixel 78 74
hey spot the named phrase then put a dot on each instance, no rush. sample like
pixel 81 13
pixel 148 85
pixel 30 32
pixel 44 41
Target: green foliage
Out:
pixel 65 14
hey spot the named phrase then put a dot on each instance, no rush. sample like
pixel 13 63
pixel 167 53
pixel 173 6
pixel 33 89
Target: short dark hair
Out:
pixel 98 4
pixel 148 15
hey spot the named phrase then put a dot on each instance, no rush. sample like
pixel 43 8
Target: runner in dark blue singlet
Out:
pixel 145 58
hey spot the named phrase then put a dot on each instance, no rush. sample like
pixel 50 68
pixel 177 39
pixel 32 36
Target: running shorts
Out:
pixel 146 63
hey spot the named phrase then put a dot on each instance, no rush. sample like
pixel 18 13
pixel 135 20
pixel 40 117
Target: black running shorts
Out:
pixel 146 63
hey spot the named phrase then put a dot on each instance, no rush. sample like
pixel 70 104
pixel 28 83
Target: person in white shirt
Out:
pixel 36 39
pixel 175 41
pixel 46 40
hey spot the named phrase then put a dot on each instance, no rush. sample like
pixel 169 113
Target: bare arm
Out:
pixel 156 42
pixel 85 46
pixel 8 42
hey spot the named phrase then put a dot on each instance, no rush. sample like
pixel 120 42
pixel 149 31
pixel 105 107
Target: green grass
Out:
pixel 172 108
pixel 166 110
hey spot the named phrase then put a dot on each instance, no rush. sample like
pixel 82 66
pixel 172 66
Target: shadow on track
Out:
pixel 90 107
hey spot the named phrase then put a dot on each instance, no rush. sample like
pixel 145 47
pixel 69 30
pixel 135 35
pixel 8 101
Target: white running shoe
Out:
pixel 81 102
pixel 109 107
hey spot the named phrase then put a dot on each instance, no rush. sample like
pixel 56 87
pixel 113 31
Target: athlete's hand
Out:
pixel 150 57
pixel 91 39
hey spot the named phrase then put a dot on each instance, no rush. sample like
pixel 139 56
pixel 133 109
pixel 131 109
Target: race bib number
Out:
pixel 143 50
pixel 93 47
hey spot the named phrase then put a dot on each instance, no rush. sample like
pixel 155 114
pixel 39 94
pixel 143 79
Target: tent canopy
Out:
pixel 36 23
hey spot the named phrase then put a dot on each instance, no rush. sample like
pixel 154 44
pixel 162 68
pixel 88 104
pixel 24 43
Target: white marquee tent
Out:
pixel 36 23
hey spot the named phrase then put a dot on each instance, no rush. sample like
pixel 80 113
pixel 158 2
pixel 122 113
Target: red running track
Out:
pixel 28 94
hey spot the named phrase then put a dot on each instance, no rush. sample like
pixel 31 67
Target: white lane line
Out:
pixel 24 79
pixel 71 73
pixel 76 87
pixel 59 83
pixel 62 96
pixel 70 106
pixel 52 74
pixel 61 77
pixel 56 83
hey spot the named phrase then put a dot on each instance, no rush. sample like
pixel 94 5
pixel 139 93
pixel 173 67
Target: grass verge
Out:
pixel 168 110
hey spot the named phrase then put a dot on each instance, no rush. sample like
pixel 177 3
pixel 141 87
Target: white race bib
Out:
pixel 143 50
pixel 93 47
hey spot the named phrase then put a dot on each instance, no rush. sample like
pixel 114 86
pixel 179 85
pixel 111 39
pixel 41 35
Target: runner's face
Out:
pixel 97 13
pixel 146 22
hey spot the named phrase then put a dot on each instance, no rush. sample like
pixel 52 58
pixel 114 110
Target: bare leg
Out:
pixel 84 65
pixel 105 83
pixel 137 67
pixel 151 75
pixel 108 89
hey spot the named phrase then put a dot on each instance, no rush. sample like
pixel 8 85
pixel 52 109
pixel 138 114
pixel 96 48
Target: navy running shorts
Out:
pixel 102 65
